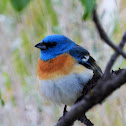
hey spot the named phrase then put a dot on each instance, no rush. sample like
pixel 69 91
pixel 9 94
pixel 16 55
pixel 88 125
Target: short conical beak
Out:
pixel 41 46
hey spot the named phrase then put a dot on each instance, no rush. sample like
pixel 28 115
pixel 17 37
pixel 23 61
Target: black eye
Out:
pixel 50 44
pixel 43 42
pixel 54 43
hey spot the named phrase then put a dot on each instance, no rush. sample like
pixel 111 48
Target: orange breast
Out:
pixel 60 66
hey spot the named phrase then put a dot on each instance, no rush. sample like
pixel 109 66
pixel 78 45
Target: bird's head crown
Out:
pixel 54 45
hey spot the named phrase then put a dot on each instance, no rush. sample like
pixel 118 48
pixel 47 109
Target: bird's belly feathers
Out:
pixel 62 80
pixel 64 90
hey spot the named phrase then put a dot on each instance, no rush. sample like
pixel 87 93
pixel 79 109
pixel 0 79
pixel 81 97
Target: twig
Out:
pixel 115 55
pixel 102 90
pixel 104 36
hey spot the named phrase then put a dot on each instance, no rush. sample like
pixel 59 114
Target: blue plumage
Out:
pixel 63 82
pixel 63 44
pixel 54 45
pixel 78 53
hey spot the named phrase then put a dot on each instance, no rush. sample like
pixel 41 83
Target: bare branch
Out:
pixel 102 90
pixel 103 87
pixel 104 36
pixel 115 55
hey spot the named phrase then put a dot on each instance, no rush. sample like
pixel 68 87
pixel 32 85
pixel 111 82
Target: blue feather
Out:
pixel 78 52
pixel 63 44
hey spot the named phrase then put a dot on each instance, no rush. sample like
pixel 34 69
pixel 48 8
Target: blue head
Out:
pixel 54 45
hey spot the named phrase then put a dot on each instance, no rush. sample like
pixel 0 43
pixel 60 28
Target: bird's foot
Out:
pixel 85 120
pixel 64 112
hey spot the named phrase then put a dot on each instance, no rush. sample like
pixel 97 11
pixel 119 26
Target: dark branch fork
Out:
pixel 115 55
pixel 100 89
pixel 104 36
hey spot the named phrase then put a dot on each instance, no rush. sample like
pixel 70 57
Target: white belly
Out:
pixel 65 90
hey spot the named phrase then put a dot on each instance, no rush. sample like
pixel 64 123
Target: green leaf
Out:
pixel 2 102
pixel 88 6
pixel 3 5
pixel 19 5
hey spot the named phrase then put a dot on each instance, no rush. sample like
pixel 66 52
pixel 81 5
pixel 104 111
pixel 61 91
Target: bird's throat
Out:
pixel 59 66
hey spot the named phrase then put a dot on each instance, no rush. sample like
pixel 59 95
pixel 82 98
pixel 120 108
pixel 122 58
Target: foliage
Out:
pixel 2 101
pixel 23 23
pixel 19 5
pixel 88 6
pixel 3 5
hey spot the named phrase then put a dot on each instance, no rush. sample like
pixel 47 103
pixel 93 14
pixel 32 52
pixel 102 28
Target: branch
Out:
pixel 115 55
pixel 104 36
pixel 98 91
pixel 101 91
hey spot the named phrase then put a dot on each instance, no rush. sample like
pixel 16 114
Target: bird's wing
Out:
pixel 83 57
pixel 78 52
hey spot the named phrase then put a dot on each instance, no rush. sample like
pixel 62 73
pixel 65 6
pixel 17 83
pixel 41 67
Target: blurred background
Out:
pixel 23 23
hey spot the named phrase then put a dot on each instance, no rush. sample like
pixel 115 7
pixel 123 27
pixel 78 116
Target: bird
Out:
pixel 63 69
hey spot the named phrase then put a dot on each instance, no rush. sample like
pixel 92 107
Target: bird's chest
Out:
pixel 61 80
pixel 66 89
pixel 60 66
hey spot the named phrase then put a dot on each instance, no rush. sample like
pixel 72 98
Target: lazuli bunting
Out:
pixel 63 69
